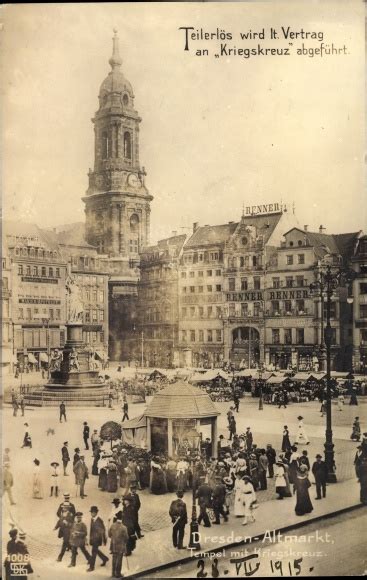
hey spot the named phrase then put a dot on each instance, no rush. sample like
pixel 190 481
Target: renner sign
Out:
pixel 263 209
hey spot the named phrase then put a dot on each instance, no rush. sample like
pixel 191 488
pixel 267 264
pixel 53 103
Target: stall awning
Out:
pixel 32 359
pixel 43 357
pixel 276 380
pixel 135 423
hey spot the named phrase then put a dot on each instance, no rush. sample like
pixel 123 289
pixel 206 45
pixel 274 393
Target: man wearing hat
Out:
pixel 319 470
pixel 135 500
pixel 62 411
pixel 86 435
pixel 178 514
pixel 64 526
pixel 65 456
pixel 22 551
pixel 115 511
pixel 249 439
pixel 11 549
pixel 78 536
pixel 219 497
pixel 81 474
pixel 204 497
pixel 129 520
pixel 66 504
pixel 97 537
pixel 119 539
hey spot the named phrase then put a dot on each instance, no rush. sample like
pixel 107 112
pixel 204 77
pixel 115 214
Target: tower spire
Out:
pixel 115 60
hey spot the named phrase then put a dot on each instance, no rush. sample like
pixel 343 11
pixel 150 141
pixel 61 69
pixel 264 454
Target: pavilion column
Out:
pixel 214 437
pixel 170 437
pixel 149 441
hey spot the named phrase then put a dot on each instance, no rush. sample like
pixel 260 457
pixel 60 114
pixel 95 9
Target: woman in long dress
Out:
pixel 37 491
pixel 239 508
pixel 286 444
pixel 159 483
pixel 249 498
pixel 356 430
pixel 302 483
pixel 288 492
pixel 293 465
pixel 301 435
pixel 54 479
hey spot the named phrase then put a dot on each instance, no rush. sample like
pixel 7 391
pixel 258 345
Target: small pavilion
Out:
pixel 175 417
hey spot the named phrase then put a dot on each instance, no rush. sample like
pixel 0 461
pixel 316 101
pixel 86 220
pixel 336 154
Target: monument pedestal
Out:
pixel 74 379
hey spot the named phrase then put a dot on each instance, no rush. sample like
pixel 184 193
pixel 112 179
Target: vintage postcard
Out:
pixel 184 290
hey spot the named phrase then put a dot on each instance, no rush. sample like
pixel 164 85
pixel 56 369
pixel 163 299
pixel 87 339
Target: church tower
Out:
pixel 117 202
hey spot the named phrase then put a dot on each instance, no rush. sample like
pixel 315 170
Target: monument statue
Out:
pixel 74 304
pixel 73 360
pixel 55 360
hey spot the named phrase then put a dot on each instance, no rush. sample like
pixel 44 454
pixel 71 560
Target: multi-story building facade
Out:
pixel 117 202
pixel 359 294
pixel 7 343
pixel 156 330
pixel 38 272
pixel 295 317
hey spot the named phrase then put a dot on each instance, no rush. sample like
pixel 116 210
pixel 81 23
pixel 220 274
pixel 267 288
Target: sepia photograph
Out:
pixel 184 289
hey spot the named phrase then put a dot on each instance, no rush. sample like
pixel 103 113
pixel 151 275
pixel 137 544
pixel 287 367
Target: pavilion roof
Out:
pixel 181 401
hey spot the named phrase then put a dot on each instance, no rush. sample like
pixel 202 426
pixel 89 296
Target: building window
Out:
pixel 275 335
pixel 218 335
pixel 232 310
pixel 20 270
pixel 231 284
pixel 127 145
pixel 50 272
pixel 363 311
pixel 244 284
pixel 300 306
pixel 301 258
pixel 28 271
pixel 300 281
pixel 289 260
pixel 57 272
pixel 275 309
pixel 21 313
pixel 29 314
pixel 363 287
pixel 276 282
pixel 183 274
pixel 184 336
pixel 257 309
pixel 43 271
pixel 257 283
pixel 300 335
pixel 244 309
pixel 201 336
pixel 192 289
pixel 192 311
pixel 134 224
pixel 201 289
pixel 287 336
pixel 210 336
pixel 201 311
pixel 200 273
pixel 332 310
pixel 218 272
pixel 210 288
pixel 289 281
pixel 51 313
pixel 101 316
pixel 134 246
pixel 192 335
pixel 105 145
pixel 192 274
pixel 87 316
pixel 58 313
pixel 209 272
pixel 288 306
pixel 218 288
pixel 210 311
pixel 184 289
pixel 101 296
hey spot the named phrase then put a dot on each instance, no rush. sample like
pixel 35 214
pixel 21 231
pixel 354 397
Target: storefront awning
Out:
pixel 43 357
pixel 276 380
pixel 32 359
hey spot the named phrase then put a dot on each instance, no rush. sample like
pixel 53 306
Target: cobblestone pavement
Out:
pixel 37 517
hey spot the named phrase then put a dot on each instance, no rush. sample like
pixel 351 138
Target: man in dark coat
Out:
pixel 64 526
pixel 125 409
pixel 319 470
pixel 78 536
pixel 97 537
pixel 204 497
pixel 62 411
pixel 219 496
pixel 65 456
pixel 81 474
pixel 23 554
pixel 66 504
pixel 119 538
pixel 129 520
pixel 178 513
pixel 249 439
pixel 86 435
pixel 271 455
pixel 135 500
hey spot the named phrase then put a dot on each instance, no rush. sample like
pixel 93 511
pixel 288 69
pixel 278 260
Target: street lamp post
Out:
pixel 329 278
pixel 261 388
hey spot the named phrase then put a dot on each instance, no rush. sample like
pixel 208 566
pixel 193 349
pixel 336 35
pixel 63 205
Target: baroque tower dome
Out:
pixel 115 84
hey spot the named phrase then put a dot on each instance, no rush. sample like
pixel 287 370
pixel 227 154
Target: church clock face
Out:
pixel 133 180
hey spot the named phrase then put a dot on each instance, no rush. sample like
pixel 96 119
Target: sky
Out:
pixel 217 133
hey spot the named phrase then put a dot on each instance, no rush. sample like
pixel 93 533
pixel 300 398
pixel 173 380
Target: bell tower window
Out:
pixel 105 145
pixel 125 100
pixel 134 224
pixel 127 145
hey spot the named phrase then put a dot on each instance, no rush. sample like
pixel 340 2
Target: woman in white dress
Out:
pixel 54 479
pixel 302 435
pixel 249 498
pixel 239 508
pixel 37 483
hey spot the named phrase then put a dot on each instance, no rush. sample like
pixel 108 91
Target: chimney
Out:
pixel 305 228
pixel 195 227
pixel 322 230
